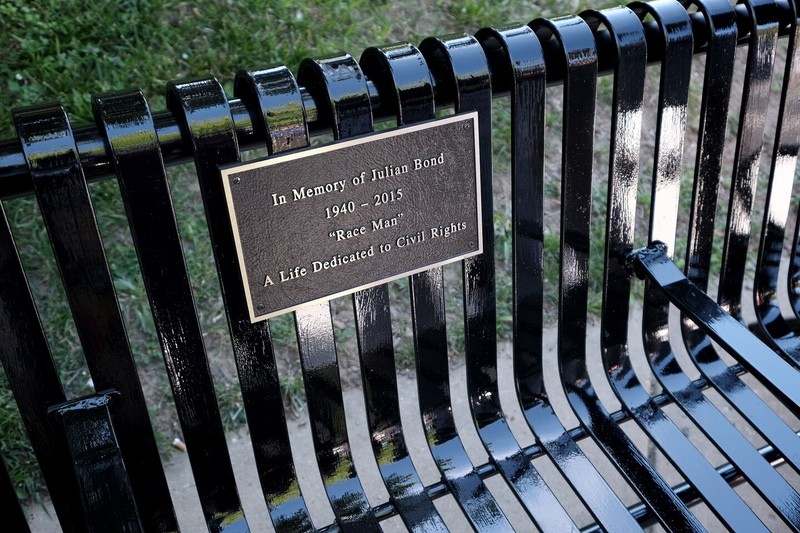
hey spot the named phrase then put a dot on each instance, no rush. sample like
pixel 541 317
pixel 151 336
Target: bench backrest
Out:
pixel 99 453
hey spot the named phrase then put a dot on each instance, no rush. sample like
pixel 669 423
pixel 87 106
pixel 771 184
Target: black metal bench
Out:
pixel 98 454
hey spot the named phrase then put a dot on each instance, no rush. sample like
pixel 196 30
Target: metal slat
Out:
pixel 205 116
pixel 526 64
pixel 13 515
pixel 580 59
pixel 663 221
pixel 779 196
pixel 711 141
pixel 400 70
pixel 338 80
pixel 465 66
pixel 275 92
pixel 66 208
pixel 34 381
pixel 96 161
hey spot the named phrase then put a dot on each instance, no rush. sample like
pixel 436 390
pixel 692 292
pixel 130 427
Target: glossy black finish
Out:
pixel 779 197
pixel 401 75
pixel 577 41
pixel 711 141
pixel 339 80
pixel 776 374
pixel 275 94
pixel 103 483
pixel 34 381
pixel 518 52
pixel 458 68
pixel 66 207
pixel 96 161
pixel 407 85
pixel 663 220
pixel 755 99
pixel 13 515
pixel 463 66
pixel 203 108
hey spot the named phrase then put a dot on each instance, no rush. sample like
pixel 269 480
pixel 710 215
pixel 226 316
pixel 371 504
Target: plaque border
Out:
pixel 227 170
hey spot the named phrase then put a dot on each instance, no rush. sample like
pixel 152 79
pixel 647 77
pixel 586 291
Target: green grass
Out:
pixel 68 50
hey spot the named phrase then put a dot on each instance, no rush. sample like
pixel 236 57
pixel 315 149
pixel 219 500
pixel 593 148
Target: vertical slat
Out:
pixel 527 84
pixel 34 381
pixel 202 109
pixel 402 78
pixel 66 207
pixel 779 197
pixel 102 478
pixel 721 22
pixel 430 338
pixel 755 99
pixel 469 70
pixel 580 62
pixel 675 75
pixel 337 80
pixel 274 92
pixel 126 123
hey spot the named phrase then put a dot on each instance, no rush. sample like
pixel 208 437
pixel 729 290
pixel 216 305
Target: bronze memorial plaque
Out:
pixel 323 222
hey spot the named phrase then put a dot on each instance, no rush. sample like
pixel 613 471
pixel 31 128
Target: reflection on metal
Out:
pixel 203 110
pixel 339 81
pixel 407 84
pixel 399 70
pixel 269 91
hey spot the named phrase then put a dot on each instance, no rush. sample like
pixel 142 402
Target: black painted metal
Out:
pixel 401 74
pixel 779 196
pixel 96 161
pixel 275 94
pixel 577 41
pixel 339 80
pixel 518 52
pixel 143 183
pixel 711 141
pixel 663 220
pixel 34 381
pixel 455 71
pixel 204 113
pixel 13 515
pixel 402 82
pixel 463 66
pixel 755 99
pixel 66 207
pixel 775 373
pixel 103 482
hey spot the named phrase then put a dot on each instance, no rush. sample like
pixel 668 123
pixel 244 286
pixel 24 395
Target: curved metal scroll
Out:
pixel 337 80
pixel 202 108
